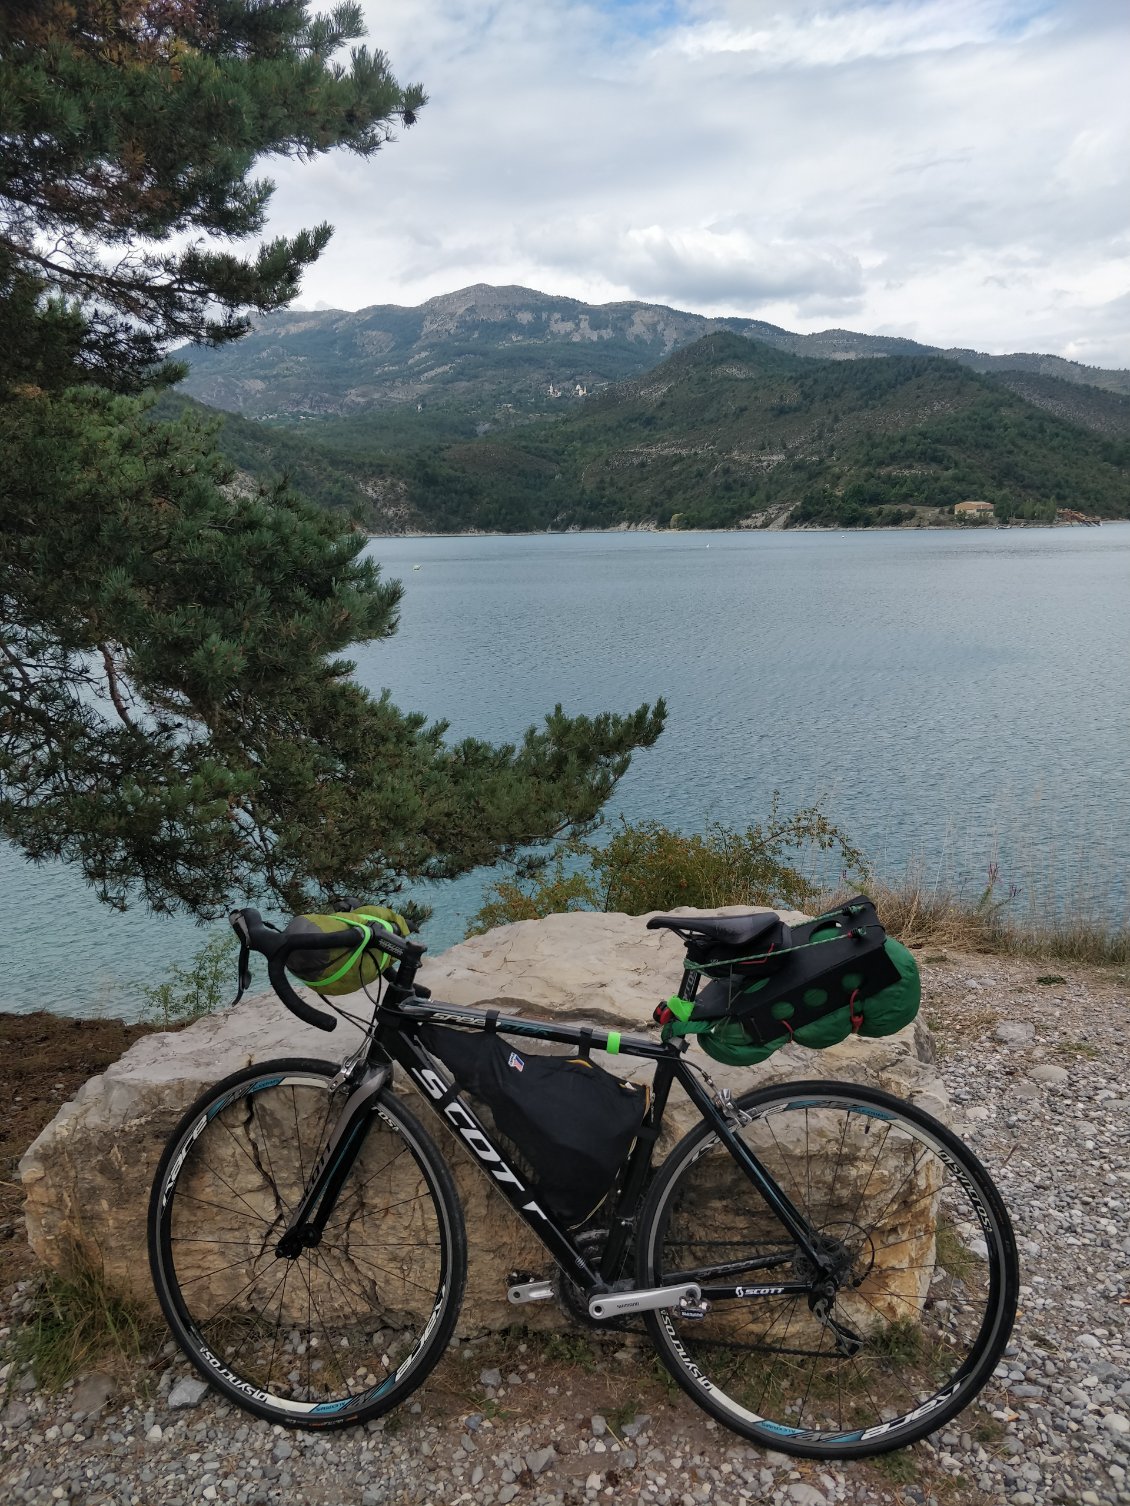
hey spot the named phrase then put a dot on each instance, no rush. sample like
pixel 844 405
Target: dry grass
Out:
pixel 76 1322
pixel 936 915
pixel 921 915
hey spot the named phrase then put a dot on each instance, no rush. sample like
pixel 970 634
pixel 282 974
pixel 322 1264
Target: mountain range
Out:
pixel 484 347
pixel 503 408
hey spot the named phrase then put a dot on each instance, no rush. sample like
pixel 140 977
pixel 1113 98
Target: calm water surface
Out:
pixel 958 697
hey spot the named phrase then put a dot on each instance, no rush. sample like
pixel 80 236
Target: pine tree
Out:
pixel 125 122
pixel 176 712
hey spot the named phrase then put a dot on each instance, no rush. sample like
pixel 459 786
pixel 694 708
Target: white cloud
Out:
pixel 953 170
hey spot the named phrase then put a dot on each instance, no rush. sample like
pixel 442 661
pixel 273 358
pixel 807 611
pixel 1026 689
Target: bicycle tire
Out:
pixel 767 1366
pixel 344 1331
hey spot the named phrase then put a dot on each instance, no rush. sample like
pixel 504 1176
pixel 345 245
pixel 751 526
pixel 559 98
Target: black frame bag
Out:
pixel 570 1121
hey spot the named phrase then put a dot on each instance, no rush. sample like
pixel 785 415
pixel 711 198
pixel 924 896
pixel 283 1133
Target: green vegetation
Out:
pixel 196 990
pixel 728 432
pixel 77 1321
pixel 646 866
pixel 177 715
pixel 126 124
pixel 488 355
pixel 942 913
pixel 481 356
pixel 900 1468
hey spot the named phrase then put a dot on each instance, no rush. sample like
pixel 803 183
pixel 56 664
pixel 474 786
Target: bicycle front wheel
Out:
pixel 345 1330
pixel 918 1298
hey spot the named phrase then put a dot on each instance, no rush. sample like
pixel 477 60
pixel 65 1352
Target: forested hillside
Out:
pixel 727 432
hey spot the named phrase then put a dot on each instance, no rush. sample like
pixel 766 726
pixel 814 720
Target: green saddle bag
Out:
pixel 838 975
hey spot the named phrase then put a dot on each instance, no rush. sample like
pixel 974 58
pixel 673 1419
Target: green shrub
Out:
pixel 196 990
pixel 647 866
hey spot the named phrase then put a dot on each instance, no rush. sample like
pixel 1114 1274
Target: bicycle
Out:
pixel 823 1268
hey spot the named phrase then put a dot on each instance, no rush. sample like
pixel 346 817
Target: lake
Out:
pixel 951 696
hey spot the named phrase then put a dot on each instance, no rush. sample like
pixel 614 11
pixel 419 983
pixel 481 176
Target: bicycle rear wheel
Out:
pixel 345 1330
pixel 924 1272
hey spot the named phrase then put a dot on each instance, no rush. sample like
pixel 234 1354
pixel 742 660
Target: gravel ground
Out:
pixel 1037 1067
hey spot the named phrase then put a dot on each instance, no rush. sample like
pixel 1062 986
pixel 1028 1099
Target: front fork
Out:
pixel 336 1160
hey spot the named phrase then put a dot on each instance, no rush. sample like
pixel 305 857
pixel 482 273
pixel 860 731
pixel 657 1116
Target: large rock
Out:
pixel 87 1176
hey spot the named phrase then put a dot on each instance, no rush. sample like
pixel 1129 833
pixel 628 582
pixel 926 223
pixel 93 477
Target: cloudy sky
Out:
pixel 956 171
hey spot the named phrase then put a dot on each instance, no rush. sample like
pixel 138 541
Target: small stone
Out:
pixel 490 1378
pixel 507 1493
pixel 467 1443
pixel 805 1495
pixel 155 1434
pixel 599 1426
pixel 1016 1032
pixel 1047 1073
pixel 540 1460
pixel 1088 1341
pixel 1115 1423
pixel 189 1392
pixel 90 1396
pixel 15 1414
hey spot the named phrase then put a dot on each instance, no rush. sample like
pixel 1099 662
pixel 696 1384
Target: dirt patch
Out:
pixel 44 1060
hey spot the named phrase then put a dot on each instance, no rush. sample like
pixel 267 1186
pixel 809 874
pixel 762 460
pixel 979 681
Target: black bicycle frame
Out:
pixel 396 1039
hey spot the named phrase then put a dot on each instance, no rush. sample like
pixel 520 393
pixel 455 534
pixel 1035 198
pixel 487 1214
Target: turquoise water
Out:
pixel 960 696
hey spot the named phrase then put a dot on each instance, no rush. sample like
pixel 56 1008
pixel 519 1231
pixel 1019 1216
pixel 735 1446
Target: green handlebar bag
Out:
pixel 346 969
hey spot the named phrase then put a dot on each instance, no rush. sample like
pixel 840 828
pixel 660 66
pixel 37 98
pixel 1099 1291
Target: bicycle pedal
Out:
pixel 693 1310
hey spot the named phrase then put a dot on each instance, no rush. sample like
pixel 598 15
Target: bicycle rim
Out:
pixel 345 1330
pixel 926 1274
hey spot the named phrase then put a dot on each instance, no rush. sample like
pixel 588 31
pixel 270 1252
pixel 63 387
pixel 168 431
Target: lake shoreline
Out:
pixel 653 528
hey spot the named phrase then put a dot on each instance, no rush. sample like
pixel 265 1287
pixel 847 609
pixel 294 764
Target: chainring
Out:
pixel 573 1301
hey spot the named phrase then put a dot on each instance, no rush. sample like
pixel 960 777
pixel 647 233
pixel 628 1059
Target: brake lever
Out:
pixel 243 968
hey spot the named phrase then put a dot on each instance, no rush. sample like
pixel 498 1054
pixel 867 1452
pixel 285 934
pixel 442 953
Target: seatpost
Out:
pixel 691 979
